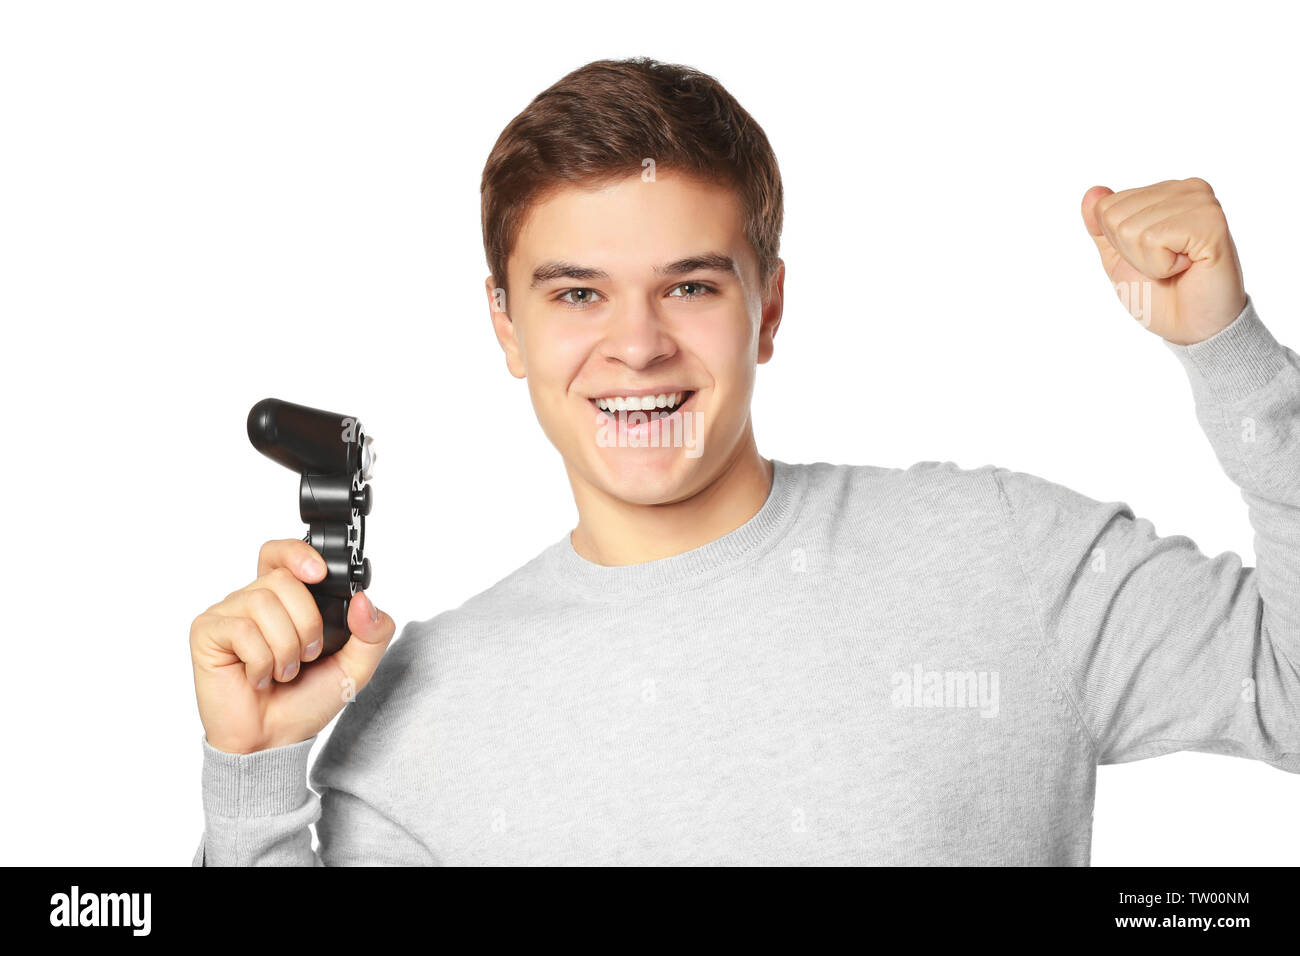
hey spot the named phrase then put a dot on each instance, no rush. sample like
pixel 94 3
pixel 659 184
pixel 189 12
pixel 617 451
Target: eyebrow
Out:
pixel 710 261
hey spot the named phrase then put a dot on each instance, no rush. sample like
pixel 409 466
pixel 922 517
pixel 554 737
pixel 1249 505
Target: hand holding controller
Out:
pixel 307 604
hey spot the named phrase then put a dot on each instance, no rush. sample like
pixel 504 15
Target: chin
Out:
pixel 646 476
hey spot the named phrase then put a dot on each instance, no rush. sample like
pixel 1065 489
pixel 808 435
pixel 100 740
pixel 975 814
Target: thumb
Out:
pixel 1089 210
pixel 1117 268
pixel 367 622
pixel 371 630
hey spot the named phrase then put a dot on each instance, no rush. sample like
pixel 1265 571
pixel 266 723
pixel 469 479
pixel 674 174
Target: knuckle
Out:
pixel 1128 232
pixel 257 666
pixel 284 644
pixel 262 599
pixel 257 658
pixel 247 632
pixel 280 575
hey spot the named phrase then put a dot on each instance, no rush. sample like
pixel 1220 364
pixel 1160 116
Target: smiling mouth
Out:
pixel 652 406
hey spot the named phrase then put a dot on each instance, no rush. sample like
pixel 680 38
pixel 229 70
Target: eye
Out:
pixel 582 297
pixel 698 289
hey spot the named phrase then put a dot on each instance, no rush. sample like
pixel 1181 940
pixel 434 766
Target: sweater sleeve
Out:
pixel 1159 647
pixel 258 808
pixel 258 811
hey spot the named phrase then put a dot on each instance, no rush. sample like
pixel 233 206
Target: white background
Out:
pixel 205 204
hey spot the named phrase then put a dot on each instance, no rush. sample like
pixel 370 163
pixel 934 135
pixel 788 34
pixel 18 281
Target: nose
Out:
pixel 635 335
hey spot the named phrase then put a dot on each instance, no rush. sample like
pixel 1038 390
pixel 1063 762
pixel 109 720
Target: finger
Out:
pixel 302 608
pixel 371 631
pixel 1113 212
pixel 292 553
pixel 1127 200
pixel 1155 238
pixel 273 620
pixel 1110 208
pixel 242 638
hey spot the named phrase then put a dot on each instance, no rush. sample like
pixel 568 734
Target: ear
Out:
pixel 773 303
pixel 504 328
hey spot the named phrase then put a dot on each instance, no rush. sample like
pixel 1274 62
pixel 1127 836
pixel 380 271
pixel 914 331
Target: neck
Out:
pixel 614 532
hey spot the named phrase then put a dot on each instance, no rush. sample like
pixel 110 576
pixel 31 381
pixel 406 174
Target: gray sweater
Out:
pixel 882 666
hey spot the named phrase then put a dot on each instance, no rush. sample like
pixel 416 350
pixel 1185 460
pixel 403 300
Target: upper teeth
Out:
pixel 629 403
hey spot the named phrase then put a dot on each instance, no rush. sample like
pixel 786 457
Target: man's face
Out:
pixel 638 289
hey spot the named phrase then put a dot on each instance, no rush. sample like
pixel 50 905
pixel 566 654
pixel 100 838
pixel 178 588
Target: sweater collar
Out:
pixel 734 549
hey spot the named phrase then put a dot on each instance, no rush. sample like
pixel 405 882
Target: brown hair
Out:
pixel 600 121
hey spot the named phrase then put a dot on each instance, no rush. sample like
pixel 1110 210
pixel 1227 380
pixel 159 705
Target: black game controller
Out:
pixel 335 459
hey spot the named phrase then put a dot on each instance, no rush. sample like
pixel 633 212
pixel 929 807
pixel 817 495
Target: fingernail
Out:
pixel 313 566
pixel 374 611
pixel 289 670
pixel 312 650
pixel 264 682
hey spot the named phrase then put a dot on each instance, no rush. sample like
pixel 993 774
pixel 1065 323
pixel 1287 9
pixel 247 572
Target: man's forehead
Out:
pixel 632 225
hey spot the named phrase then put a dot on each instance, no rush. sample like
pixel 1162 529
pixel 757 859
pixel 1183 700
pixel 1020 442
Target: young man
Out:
pixel 738 660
